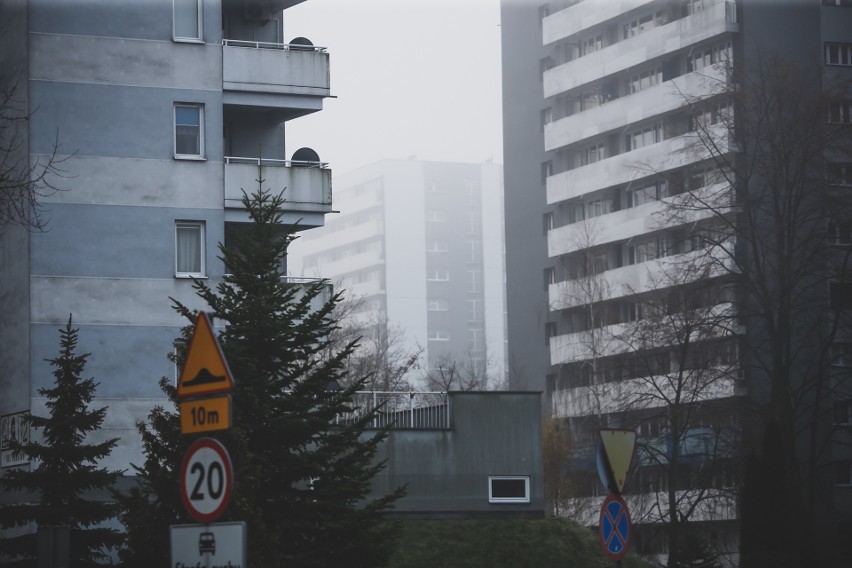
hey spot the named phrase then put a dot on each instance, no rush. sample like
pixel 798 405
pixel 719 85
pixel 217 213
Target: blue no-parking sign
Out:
pixel 614 527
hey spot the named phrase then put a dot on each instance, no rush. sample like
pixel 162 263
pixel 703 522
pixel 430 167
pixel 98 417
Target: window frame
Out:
pixel 843 52
pixel 500 500
pixel 202 230
pixel 201 149
pixel 199 21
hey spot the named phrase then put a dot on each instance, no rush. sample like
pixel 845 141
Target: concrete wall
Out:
pixel 446 471
pixel 523 151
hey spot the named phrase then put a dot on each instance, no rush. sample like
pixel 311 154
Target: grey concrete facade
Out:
pixel 583 80
pixel 105 80
pixel 447 471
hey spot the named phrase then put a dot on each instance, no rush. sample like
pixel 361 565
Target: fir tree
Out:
pixel 64 469
pixel 301 475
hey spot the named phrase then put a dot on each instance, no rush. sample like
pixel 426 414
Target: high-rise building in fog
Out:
pixel 601 100
pixel 419 244
pixel 163 110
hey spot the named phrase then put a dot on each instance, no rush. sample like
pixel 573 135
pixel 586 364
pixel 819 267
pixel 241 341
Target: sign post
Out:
pixel 614 456
pixel 206 472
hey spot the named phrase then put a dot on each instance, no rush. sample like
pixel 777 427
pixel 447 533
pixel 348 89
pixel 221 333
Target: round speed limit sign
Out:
pixel 206 479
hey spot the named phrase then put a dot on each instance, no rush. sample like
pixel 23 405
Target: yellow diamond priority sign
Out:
pixel 205 370
pixel 618 448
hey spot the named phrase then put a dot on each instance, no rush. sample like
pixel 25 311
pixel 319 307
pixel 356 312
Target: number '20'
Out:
pixel 215 477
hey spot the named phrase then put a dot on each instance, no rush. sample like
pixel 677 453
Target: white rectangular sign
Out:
pixel 217 545
pixel 13 427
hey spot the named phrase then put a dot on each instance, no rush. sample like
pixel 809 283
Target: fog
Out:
pixel 411 78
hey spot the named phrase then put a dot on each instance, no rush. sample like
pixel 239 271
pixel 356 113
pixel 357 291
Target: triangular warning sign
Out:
pixel 618 448
pixel 205 370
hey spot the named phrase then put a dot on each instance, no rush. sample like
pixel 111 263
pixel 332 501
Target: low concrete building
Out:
pixel 465 455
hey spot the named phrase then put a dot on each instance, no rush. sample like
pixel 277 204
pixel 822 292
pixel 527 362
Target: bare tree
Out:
pixel 25 179
pixel 470 374
pixel 584 311
pixel 380 354
pixel 768 136
pixel 681 381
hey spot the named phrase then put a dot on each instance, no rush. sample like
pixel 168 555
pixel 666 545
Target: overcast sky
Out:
pixel 412 78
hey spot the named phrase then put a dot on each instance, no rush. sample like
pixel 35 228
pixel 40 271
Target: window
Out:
pixel 644 80
pixel 591 44
pixel 187 20
pixel 838 53
pixel 546 171
pixel 644 137
pixel 701 58
pixel 436 245
pixel 546 117
pixel 593 154
pixel 549 277
pixel 838 233
pixel 474 310
pixel 508 489
pixel 841 355
pixel 189 248
pixel 843 472
pixel 438 305
pixel 839 174
pixel 474 280
pixel 473 222
pixel 438 275
pixel 840 295
pixel 439 335
pixel 189 131
pixel 842 412
pixel 473 250
pixel 435 216
pixel 840 113
pixel 713 114
pixel 694 6
pixel 547 222
pixel 647 194
pixel 475 337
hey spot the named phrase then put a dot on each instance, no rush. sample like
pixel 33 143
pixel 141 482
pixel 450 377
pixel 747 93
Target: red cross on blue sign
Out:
pixel 614 527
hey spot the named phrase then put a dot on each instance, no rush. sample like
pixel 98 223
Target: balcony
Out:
pixel 614 339
pixel 635 107
pixel 669 154
pixel 307 187
pixel 645 393
pixel 640 49
pixel 275 75
pixel 579 17
pixel 620 225
pixel 642 277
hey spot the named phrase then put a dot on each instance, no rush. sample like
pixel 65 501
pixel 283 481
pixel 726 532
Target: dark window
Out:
pixel 508 489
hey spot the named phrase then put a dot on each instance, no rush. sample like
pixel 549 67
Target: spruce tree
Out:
pixel 56 491
pixel 301 473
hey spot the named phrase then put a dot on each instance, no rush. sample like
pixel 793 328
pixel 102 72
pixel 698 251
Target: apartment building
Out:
pixel 164 111
pixel 603 103
pixel 418 245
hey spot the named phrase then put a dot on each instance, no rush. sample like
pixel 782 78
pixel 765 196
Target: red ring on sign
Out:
pixel 228 479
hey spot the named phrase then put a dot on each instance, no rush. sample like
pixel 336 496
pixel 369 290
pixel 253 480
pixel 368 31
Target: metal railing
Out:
pixel 275 163
pixel 401 410
pixel 272 45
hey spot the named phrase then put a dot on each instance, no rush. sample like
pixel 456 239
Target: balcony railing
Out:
pixel 401 410
pixel 277 68
pixel 307 185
